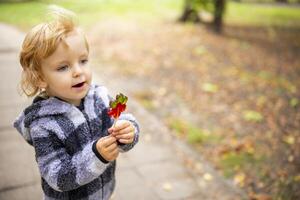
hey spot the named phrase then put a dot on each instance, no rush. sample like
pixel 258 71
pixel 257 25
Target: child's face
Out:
pixel 66 73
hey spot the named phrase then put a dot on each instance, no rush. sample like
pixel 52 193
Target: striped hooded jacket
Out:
pixel 64 138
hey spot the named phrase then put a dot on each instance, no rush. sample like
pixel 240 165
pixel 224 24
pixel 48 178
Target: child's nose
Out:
pixel 77 70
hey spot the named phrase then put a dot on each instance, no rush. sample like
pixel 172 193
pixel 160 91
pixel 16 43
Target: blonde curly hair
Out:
pixel 41 42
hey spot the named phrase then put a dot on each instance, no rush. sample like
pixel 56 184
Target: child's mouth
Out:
pixel 78 85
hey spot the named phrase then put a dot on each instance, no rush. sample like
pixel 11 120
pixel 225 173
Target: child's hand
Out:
pixel 123 131
pixel 108 148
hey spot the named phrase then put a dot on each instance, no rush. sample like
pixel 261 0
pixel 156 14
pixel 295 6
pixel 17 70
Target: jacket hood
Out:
pixel 40 108
pixel 53 106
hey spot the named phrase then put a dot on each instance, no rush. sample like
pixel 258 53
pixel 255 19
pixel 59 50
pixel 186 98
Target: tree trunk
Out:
pixel 282 1
pixel 218 15
pixel 189 13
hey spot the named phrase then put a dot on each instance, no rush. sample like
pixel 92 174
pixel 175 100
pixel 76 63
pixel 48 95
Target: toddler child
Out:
pixel 67 123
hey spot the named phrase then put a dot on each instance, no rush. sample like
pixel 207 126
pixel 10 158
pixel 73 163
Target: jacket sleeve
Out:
pixel 102 93
pixel 129 117
pixel 62 171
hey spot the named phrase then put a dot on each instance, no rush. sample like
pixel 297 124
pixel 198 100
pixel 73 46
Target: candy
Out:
pixel 117 106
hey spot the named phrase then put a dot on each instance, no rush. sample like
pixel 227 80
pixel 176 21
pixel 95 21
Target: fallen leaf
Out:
pixel 252 116
pixel 254 196
pixel 239 179
pixel 297 178
pixel 294 102
pixel 291 158
pixel 167 186
pixel 207 177
pixel 200 50
pixel 209 87
pixel 289 139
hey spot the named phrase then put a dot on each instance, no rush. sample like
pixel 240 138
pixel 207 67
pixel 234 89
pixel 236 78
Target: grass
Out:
pixel 235 161
pixel 26 14
pixel 262 15
pixel 192 133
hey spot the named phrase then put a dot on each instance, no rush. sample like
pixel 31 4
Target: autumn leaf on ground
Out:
pixel 232 73
pixel 297 178
pixel 207 177
pixel 294 102
pixel 239 179
pixel 254 196
pixel 252 116
pixel 209 87
pixel 290 139
pixel 200 50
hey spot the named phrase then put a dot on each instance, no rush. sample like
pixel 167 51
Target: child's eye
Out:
pixel 83 61
pixel 62 68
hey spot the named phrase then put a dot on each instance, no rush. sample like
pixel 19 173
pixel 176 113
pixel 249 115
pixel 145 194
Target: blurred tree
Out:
pixel 192 8
pixel 190 11
pixel 219 7
pixel 282 1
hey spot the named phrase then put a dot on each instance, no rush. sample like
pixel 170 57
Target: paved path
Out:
pixel 159 167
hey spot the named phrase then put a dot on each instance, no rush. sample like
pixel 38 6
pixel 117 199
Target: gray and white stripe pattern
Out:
pixel 62 136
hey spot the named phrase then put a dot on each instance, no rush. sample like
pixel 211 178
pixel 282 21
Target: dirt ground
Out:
pixel 234 97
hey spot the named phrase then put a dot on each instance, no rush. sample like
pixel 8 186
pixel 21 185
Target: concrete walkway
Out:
pixel 159 167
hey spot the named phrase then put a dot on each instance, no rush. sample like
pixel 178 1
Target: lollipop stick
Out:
pixel 115 121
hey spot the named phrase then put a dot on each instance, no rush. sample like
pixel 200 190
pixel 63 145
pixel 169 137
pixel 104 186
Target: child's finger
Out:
pixel 112 147
pixel 115 153
pixel 110 130
pixel 125 141
pixel 108 140
pixel 126 130
pixel 125 136
pixel 121 125
pixel 123 131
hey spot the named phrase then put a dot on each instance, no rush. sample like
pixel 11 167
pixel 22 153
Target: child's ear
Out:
pixel 42 83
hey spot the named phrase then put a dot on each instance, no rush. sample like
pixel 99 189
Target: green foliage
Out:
pixel 287 189
pixel 29 13
pixel 234 161
pixel 294 102
pixel 25 14
pixel 178 126
pixel 201 5
pixel 15 1
pixel 209 87
pixel 197 135
pixel 146 99
pixel 252 116
pixel 192 133
pixel 279 82
pixel 200 50
pixel 262 15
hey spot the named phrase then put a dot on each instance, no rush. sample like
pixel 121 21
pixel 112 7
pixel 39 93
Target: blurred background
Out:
pixel 222 75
